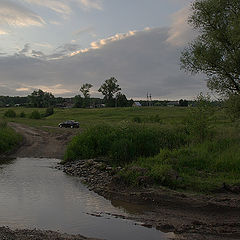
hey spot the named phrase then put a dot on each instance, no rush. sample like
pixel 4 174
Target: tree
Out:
pixel 108 89
pixel 216 51
pixel 41 99
pixel 78 101
pixel 121 100
pixel 85 89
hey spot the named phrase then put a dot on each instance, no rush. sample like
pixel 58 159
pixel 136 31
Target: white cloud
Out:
pixel 142 63
pixel 88 4
pixel 102 42
pixel 55 5
pixel 180 32
pixel 13 14
pixel 64 7
pixel 3 32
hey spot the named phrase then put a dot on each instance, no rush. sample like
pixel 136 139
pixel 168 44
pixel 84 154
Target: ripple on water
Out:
pixel 33 194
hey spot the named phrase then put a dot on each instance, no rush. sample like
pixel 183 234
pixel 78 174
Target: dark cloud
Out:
pixel 144 62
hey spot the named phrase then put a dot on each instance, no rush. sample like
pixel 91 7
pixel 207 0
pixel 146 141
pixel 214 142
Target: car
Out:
pixel 69 123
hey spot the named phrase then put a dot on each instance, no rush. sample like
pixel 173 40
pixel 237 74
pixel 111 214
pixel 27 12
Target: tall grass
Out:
pixel 8 138
pixel 124 142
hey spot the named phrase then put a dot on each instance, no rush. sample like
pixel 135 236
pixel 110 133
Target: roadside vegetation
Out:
pixel 198 151
pixel 8 138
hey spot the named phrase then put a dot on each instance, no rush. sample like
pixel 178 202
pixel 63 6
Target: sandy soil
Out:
pixel 189 216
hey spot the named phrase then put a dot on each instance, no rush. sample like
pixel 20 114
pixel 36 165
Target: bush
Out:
pixel 232 106
pixel 35 115
pixel 124 142
pixel 22 115
pixel 49 112
pixel 137 119
pixel 197 122
pixel 8 138
pixel 10 113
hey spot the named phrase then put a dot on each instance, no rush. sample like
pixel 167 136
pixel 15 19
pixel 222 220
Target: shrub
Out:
pixel 197 122
pixel 123 143
pixel 22 115
pixel 10 113
pixel 35 115
pixel 232 107
pixel 8 138
pixel 49 112
pixel 137 119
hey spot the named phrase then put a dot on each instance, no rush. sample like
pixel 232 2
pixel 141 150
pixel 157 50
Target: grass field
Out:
pixel 200 152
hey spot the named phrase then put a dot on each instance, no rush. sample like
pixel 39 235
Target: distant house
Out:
pixel 137 104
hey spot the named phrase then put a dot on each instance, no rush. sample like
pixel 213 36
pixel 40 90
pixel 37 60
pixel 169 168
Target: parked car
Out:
pixel 69 123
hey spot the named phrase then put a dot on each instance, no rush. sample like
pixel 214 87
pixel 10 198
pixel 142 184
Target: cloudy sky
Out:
pixel 57 45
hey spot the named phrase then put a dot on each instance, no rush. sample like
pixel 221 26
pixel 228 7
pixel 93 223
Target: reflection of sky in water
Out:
pixel 33 195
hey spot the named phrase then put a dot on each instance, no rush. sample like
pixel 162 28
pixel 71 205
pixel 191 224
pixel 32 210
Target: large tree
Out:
pixel 108 89
pixel 41 99
pixel 216 50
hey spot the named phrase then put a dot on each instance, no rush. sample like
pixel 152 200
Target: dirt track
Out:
pixel 38 143
pixel 189 216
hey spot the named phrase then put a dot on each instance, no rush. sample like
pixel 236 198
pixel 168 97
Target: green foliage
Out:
pixel 35 115
pixel 137 119
pixel 22 115
pixel 198 120
pixel 8 138
pixel 215 51
pixel 202 167
pixel 49 112
pixel 123 143
pixel 232 107
pixel 10 113
pixel 41 99
pixel 108 89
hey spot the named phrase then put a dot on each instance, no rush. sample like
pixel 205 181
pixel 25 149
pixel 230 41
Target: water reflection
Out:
pixel 35 195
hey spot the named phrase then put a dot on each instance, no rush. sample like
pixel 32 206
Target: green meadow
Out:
pixel 184 148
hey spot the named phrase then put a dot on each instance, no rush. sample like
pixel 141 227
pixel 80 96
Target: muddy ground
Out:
pixel 189 216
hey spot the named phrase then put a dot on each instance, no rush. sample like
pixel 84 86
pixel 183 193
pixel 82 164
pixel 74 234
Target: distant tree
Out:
pixel 183 103
pixel 121 100
pixel 78 101
pixel 85 90
pixel 41 99
pixel 216 51
pixel 108 89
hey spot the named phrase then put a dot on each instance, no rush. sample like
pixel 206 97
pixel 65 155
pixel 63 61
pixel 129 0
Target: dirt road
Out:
pixel 38 143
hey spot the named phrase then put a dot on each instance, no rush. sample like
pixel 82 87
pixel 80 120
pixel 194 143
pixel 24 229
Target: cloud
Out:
pixel 180 33
pixel 3 32
pixel 142 61
pixel 64 7
pixel 55 5
pixel 84 30
pixel 25 49
pixel 88 4
pixel 102 42
pixel 13 14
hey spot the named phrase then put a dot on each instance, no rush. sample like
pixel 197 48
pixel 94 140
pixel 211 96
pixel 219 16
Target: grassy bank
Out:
pixel 8 138
pixel 197 151
pixel 193 149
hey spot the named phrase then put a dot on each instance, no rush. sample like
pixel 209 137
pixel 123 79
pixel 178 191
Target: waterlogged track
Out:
pixel 42 144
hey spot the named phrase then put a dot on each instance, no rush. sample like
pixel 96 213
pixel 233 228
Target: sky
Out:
pixel 58 45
